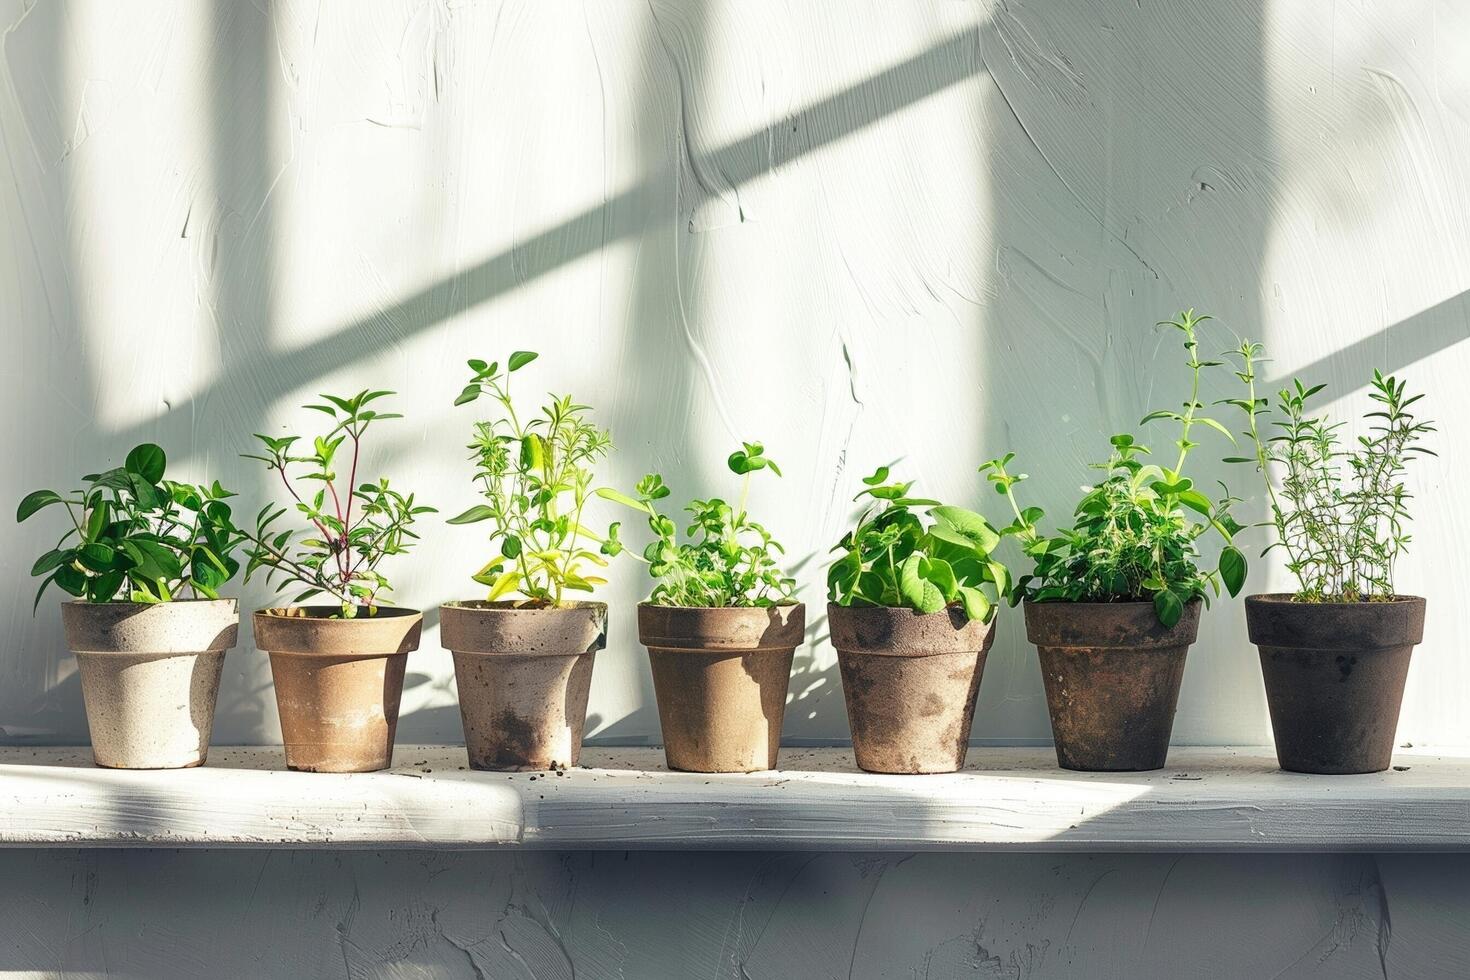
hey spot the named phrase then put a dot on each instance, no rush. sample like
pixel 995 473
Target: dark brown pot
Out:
pixel 338 682
pixel 524 674
pixel 1334 676
pixel 1112 673
pixel 720 676
pixel 910 680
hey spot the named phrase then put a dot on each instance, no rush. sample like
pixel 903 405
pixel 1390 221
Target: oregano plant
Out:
pixel 1135 533
pixel 729 559
pixel 892 557
pixel 345 529
pixel 535 474
pixel 135 536
pixel 1341 515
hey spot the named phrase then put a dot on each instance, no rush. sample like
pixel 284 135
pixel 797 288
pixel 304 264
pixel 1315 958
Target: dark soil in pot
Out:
pixel 1334 674
pixel 910 680
pixel 1112 673
pixel 721 676
pixel 524 674
pixel 338 682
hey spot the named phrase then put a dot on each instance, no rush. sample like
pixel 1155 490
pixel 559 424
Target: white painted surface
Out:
pixel 914 232
pixel 1006 799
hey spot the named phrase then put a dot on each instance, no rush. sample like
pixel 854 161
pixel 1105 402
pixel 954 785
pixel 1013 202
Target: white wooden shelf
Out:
pixel 1007 799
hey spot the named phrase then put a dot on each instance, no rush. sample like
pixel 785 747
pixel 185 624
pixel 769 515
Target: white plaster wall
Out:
pixel 863 233
pixel 649 916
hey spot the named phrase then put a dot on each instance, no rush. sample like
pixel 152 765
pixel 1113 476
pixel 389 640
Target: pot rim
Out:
pixel 287 614
pixel 732 630
pixel 1289 599
pixel 833 607
pixel 487 607
pixel 1116 604
pixel 115 603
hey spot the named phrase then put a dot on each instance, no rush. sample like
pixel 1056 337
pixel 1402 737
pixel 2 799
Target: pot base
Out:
pixel 338 714
pixel 150 711
pixel 523 713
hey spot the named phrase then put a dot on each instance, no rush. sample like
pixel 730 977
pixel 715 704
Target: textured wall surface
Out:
pixel 909 233
pixel 648 916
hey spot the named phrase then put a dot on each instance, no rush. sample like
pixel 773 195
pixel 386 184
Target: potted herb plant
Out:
pixel 912 615
pixel 721 627
pixel 338 667
pixel 524 665
pixel 1335 653
pixel 1113 604
pixel 145 558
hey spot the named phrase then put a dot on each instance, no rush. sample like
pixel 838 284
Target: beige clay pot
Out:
pixel 721 676
pixel 338 682
pixel 524 674
pixel 150 677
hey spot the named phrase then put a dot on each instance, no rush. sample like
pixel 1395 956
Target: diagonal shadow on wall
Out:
pixel 759 152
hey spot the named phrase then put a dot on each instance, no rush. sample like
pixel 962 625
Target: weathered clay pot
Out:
pixel 1112 673
pixel 524 674
pixel 910 681
pixel 1335 676
pixel 150 676
pixel 720 676
pixel 338 682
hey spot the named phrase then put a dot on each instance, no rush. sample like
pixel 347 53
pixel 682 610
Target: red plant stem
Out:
pixel 326 535
pixel 351 483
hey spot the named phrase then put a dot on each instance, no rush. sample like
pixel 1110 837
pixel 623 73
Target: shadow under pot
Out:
pixel 910 680
pixel 1334 675
pixel 524 673
pixel 720 677
pixel 150 677
pixel 338 682
pixel 1112 673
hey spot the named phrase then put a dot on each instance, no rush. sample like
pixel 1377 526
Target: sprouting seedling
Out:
pixel 535 476
pixel 1341 516
pixel 729 559
pixel 1134 535
pixel 350 527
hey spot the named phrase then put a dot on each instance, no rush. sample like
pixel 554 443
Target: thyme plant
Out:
pixel 730 560
pixel 1135 533
pixel 348 528
pixel 893 558
pixel 1340 515
pixel 137 537
pixel 536 477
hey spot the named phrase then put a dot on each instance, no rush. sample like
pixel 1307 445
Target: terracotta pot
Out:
pixel 1334 676
pixel 720 676
pixel 150 676
pixel 910 681
pixel 338 682
pixel 1112 673
pixel 524 674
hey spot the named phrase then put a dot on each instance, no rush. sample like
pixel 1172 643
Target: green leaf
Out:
pixel 607 493
pixel 1232 570
pixel 977 605
pixel 479 512
pixel 146 461
pixel 469 394
pixel 510 547
pixel 52 559
pixel 35 501
pixel 971 526
pixel 917 591
pixel 520 359
pixel 96 556
pixel 1168 607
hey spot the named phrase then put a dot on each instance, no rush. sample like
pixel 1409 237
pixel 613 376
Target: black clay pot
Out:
pixel 1112 673
pixel 1334 676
